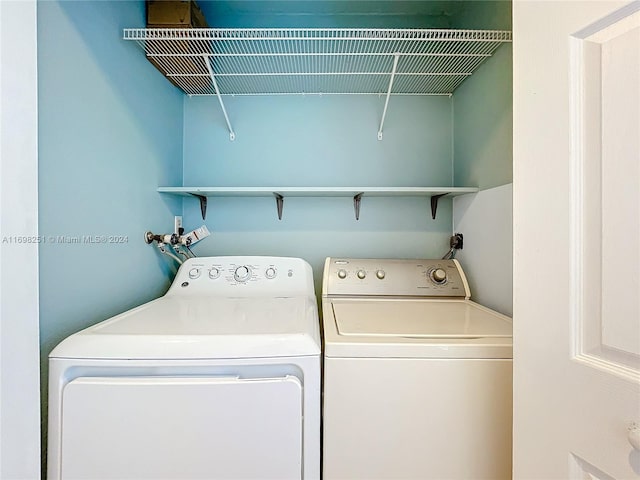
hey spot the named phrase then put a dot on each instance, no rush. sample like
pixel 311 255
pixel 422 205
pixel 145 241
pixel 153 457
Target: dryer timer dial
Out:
pixel 242 273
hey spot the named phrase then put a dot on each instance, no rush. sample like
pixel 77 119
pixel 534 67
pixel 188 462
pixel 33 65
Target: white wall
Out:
pixel 19 343
pixel 485 220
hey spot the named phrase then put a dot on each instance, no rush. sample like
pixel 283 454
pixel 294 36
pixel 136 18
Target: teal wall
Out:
pixel 330 13
pixel 112 129
pixel 110 132
pixel 482 106
pixel 320 141
pixel 482 119
pixel 482 14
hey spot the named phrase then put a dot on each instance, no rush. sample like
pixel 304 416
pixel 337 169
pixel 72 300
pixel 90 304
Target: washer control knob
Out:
pixel 214 273
pixel 194 273
pixel 270 273
pixel 380 274
pixel 438 275
pixel 361 274
pixel 342 273
pixel 242 274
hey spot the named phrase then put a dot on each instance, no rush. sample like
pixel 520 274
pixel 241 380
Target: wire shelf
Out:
pixel 207 61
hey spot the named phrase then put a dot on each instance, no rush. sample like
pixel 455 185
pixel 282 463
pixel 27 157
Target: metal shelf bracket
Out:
pixel 279 204
pixel 232 134
pixel 203 205
pixel 396 57
pixel 356 205
pixel 434 204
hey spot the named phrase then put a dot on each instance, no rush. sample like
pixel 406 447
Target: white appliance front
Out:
pixel 415 386
pixel 182 427
pixel 218 379
pixel 403 418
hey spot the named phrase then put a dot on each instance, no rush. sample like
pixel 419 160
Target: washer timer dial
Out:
pixel 438 276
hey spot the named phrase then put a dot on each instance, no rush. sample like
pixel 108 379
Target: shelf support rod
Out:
pixel 232 135
pixel 396 57
pixel 279 204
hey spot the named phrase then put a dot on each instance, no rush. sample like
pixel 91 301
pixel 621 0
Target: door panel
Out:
pixel 182 428
pixel 620 72
pixel 604 379
pixel 606 134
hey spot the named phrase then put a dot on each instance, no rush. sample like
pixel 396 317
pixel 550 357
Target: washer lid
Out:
pixel 419 319
pixel 202 328
pixel 414 328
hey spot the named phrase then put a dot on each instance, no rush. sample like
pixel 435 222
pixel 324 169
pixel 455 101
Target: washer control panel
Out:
pixel 242 275
pixel 394 277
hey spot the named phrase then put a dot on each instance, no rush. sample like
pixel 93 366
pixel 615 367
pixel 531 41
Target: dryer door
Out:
pixel 181 428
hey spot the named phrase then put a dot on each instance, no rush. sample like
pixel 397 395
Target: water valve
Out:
pixel 170 239
pixel 456 241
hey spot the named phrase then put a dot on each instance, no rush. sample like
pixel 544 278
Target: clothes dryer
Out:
pixel 217 379
pixel 417 377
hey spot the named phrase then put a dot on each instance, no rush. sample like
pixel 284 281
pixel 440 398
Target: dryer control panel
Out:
pixel 394 277
pixel 244 276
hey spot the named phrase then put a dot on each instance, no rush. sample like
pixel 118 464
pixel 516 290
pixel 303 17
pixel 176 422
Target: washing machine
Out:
pixel 417 377
pixel 217 379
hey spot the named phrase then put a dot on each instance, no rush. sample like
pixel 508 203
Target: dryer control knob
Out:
pixel 214 273
pixel 361 274
pixel 380 274
pixel 194 273
pixel 242 274
pixel 439 275
pixel 342 273
pixel 270 273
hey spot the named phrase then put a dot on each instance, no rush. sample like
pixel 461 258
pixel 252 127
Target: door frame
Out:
pixel 19 281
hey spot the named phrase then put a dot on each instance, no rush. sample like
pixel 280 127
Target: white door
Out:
pixel 576 239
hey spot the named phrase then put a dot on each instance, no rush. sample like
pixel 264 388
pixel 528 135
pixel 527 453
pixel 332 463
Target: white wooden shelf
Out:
pixel 202 193
pixel 295 61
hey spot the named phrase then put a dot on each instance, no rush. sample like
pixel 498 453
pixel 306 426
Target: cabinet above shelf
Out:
pixel 279 193
pixel 209 61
